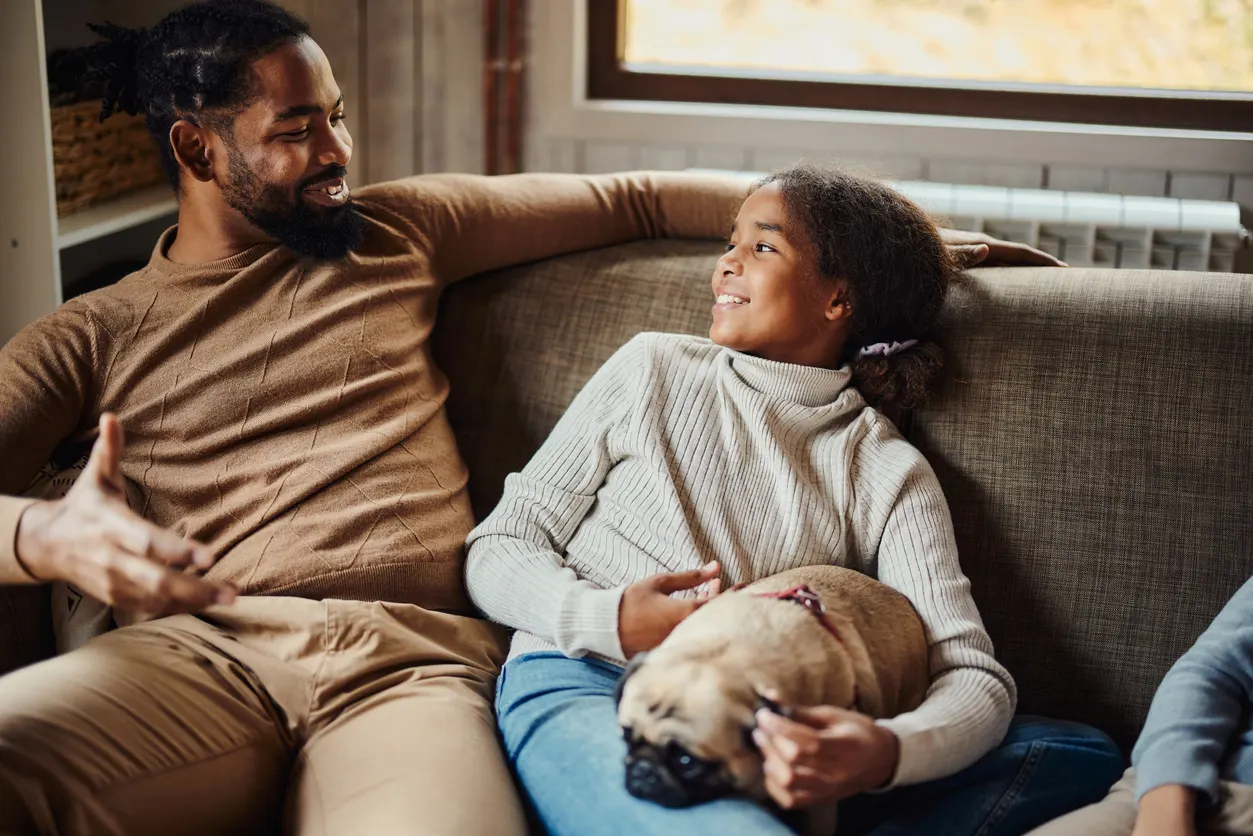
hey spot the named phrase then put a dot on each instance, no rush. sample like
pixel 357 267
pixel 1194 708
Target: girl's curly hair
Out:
pixel 894 266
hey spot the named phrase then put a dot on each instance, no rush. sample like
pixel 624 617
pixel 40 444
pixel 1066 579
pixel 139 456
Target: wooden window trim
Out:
pixel 609 78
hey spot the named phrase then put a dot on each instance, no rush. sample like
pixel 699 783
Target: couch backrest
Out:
pixel 1094 438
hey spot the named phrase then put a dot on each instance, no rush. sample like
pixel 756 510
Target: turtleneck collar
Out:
pixel 808 386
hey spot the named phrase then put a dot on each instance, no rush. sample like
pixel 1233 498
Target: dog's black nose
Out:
pixel 652 781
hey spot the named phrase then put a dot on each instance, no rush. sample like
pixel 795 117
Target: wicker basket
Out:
pixel 94 161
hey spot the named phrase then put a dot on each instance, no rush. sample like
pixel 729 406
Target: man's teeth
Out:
pixel 728 299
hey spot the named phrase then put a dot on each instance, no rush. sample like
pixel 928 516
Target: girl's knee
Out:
pixel 1062 733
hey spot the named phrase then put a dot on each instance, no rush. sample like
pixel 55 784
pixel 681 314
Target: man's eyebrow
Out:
pixel 304 110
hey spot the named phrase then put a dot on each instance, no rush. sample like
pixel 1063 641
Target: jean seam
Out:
pixel 1015 789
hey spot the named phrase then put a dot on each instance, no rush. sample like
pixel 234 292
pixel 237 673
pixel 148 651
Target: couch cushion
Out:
pixel 25 626
pixel 1093 440
pixel 518 345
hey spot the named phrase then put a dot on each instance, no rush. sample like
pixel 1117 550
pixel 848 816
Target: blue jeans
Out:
pixel 559 721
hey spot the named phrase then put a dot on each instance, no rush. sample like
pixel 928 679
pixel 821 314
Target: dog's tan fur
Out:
pixel 700 687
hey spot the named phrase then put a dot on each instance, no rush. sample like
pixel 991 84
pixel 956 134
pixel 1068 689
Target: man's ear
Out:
pixel 191 149
pixel 631 668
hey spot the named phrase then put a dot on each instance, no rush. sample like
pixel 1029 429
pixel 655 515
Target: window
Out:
pixel 1151 63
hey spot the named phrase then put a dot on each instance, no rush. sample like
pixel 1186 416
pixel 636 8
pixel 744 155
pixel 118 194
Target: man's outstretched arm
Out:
pixel 90 538
pixel 471 224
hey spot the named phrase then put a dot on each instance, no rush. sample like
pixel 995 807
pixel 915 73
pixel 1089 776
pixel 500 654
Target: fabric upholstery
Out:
pixel 25 626
pixel 1094 439
pixel 518 345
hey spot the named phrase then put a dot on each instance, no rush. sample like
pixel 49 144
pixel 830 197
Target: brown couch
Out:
pixel 1095 439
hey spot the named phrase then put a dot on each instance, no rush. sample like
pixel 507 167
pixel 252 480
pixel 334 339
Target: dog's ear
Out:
pixel 631 668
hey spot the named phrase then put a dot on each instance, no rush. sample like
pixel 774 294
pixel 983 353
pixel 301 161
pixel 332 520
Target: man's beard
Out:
pixel 316 231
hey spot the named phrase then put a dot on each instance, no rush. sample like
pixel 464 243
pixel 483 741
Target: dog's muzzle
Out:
pixel 673 777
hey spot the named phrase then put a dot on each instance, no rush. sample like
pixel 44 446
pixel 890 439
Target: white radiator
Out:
pixel 1093 230
pixel 1097 230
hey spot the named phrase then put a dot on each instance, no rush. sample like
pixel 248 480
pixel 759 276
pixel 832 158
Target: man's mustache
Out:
pixel 326 174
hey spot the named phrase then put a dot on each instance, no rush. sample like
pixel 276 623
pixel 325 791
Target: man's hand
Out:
pixel 977 248
pixel 91 539
pixel 823 754
pixel 648 613
pixel 1168 810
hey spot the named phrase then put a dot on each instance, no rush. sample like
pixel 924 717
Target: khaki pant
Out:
pixel 271 715
pixel 1116 814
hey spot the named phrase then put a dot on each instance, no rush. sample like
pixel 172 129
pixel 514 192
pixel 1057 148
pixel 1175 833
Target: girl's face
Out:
pixel 769 300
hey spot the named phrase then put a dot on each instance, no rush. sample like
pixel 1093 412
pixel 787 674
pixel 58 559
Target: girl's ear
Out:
pixel 838 306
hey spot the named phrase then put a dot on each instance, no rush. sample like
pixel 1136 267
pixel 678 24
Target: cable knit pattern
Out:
pixel 678 452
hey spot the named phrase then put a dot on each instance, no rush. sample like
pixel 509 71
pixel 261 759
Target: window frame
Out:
pixel 608 77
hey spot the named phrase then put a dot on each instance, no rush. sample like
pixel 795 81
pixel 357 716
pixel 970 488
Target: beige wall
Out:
pixel 411 74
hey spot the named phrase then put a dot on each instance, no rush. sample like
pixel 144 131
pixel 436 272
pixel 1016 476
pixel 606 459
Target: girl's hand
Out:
pixel 647 613
pixel 823 754
pixel 1168 810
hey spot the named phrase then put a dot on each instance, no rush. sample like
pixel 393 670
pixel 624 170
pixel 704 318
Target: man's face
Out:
pixel 287 155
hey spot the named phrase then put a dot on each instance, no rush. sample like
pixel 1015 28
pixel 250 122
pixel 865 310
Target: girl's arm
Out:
pixel 971 700
pixel 515 572
pixel 1198 706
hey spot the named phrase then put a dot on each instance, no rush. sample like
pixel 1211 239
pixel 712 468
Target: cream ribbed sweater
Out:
pixel 678 452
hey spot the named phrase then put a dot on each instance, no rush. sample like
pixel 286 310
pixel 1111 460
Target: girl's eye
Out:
pixel 729 247
pixel 764 248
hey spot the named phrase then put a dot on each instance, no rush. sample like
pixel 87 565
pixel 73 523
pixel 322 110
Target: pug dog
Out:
pixel 818 635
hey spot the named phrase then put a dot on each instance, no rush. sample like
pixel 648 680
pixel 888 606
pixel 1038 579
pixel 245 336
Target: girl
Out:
pixel 687 462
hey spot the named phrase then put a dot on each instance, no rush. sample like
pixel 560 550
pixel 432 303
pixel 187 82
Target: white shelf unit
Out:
pixel 125 212
pixel 41 256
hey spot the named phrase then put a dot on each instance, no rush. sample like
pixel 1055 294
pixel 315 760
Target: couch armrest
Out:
pixel 25 626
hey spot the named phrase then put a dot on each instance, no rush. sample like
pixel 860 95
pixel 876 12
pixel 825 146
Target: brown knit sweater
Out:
pixel 287 413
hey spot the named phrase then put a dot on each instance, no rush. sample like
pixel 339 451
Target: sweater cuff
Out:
pixel 11 569
pixel 1175 765
pixel 916 751
pixel 588 620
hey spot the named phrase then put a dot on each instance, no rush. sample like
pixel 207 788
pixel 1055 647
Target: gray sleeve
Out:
pixel 1198 706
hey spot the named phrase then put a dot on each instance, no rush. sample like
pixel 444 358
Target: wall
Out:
pixel 568 133
pixel 411 75
pixel 410 71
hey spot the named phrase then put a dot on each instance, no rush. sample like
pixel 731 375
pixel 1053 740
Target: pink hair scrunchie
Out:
pixel 885 349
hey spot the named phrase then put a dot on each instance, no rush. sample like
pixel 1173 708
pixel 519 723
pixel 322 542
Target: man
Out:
pixel 301 491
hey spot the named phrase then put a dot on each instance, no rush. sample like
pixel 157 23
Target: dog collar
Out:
pixel 811 601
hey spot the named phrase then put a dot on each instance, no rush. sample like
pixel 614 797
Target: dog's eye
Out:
pixel 685 765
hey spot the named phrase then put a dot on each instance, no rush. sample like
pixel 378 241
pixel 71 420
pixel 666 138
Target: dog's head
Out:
pixel 688 727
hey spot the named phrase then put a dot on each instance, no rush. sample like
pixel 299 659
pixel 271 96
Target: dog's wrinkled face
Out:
pixel 688 728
